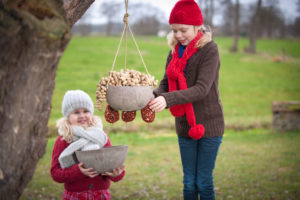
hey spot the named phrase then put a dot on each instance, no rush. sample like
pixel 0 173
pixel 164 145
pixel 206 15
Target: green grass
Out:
pixel 248 83
pixel 251 165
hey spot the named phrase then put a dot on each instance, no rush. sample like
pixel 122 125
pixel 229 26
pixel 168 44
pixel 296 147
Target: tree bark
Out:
pixel 212 12
pixel 236 33
pixel 254 28
pixel 33 36
pixel 109 26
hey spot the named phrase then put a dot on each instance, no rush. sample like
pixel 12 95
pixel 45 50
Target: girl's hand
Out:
pixel 88 172
pixel 115 172
pixel 158 104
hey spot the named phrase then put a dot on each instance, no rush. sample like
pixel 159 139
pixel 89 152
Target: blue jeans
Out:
pixel 198 159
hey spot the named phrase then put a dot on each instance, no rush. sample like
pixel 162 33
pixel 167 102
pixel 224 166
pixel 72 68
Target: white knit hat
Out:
pixel 75 99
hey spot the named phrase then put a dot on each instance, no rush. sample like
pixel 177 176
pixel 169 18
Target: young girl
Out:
pixel 190 89
pixel 80 130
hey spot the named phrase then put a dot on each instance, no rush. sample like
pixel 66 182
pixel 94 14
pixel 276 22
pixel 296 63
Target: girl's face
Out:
pixel 184 33
pixel 80 117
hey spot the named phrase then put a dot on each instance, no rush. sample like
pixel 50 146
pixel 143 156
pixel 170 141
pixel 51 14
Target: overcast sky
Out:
pixel 288 7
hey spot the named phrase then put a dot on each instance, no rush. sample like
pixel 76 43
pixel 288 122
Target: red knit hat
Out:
pixel 186 12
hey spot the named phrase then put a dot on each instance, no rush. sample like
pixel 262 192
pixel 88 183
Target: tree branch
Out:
pixel 75 9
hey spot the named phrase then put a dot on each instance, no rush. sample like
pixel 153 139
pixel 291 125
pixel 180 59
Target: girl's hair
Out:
pixel 206 38
pixel 65 130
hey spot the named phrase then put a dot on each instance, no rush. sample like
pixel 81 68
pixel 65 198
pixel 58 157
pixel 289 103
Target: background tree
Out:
pixel 254 27
pixel 34 34
pixel 145 18
pixel 148 25
pixel 236 33
pixel 112 10
pixel 83 24
pixel 208 9
pixel 227 27
pixel 296 26
pixel 271 21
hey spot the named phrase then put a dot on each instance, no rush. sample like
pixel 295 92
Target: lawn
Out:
pixel 248 83
pixel 254 162
pixel 251 165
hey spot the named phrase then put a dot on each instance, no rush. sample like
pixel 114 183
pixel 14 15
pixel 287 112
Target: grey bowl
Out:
pixel 129 98
pixel 105 159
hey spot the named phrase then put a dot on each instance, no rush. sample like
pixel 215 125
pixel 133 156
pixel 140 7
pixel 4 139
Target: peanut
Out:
pixel 123 78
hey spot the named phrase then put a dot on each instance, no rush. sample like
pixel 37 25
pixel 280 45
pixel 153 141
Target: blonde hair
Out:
pixel 65 130
pixel 206 38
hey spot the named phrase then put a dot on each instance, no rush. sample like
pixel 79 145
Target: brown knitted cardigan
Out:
pixel 202 77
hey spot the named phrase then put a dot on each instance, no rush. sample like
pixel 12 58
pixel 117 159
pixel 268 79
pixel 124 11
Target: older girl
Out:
pixel 189 89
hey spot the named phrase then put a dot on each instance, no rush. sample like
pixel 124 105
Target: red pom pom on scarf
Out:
pixel 196 132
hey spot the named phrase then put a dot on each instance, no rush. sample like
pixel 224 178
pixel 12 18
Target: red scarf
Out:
pixel 175 73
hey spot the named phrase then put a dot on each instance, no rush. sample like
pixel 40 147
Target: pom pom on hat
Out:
pixel 186 12
pixel 75 99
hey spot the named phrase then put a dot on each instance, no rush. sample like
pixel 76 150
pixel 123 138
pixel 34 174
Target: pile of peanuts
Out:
pixel 122 78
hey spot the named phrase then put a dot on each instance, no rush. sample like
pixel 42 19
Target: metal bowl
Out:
pixel 129 98
pixel 105 159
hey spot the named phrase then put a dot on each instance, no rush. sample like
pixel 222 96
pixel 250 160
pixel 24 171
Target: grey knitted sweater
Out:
pixel 202 77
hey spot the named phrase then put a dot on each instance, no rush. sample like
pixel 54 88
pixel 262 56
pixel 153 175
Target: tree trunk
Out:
pixel 236 27
pixel 33 36
pixel 109 28
pixel 206 12
pixel 212 12
pixel 254 28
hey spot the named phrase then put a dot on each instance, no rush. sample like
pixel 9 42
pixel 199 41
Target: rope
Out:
pixel 126 28
pixel 114 62
pixel 125 20
pixel 138 49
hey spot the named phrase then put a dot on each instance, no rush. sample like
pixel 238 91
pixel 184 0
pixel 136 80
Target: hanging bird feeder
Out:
pixel 129 98
pixel 127 90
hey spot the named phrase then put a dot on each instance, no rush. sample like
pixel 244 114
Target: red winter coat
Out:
pixel 74 180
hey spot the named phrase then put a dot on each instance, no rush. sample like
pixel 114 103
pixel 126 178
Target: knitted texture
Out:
pixel 84 139
pixel 176 78
pixel 75 99
pixel 89 194
pixel 186 12
pixel 202 78
pixel 74 180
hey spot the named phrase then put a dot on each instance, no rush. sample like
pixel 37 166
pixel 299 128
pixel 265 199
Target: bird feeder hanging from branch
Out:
pixel 127 90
